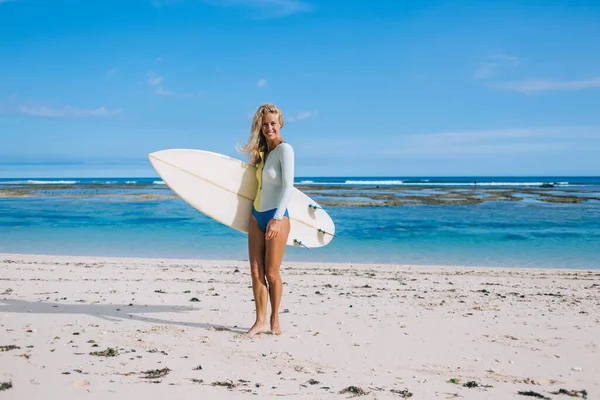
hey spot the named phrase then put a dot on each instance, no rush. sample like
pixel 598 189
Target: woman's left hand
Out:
pixel 273 228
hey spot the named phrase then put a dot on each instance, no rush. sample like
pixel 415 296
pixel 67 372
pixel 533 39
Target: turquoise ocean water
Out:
pixel 127 217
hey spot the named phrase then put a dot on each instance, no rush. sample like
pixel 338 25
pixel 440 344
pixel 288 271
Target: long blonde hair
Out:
pixel 257 142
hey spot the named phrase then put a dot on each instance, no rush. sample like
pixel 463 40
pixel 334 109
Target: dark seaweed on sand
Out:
pixel 9 347
pixel 405 394
pixel 572 393
pixel 531 393
pixel 5 386
pixel 109 352
pixel 473 384
pixel 355 390
pixel 227 384
pixel 155 373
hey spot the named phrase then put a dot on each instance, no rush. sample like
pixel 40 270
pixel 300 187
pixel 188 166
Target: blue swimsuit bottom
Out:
pixel 263 217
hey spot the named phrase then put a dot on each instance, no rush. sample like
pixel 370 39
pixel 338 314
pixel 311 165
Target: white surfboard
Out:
pixel 224 189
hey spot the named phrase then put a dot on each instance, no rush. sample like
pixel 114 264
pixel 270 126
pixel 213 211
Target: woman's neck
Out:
pixel 271 145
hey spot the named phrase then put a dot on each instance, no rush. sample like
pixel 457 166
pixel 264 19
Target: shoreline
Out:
pixel 427 267
pixel 102 326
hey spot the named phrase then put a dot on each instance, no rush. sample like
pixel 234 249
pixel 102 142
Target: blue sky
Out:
pixel 368 88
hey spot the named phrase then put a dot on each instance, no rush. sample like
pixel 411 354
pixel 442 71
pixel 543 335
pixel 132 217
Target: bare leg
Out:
pixel 256 249
pixel 274 254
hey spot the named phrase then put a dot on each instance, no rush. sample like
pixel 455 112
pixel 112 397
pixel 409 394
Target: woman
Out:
pixel 270 224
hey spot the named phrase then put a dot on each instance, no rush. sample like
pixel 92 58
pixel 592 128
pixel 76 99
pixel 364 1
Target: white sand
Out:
pixel 377 327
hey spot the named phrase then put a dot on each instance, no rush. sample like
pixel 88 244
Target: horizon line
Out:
pixel 330 176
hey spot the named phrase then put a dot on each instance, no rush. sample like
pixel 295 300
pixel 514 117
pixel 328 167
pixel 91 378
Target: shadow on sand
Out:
pixel 110 312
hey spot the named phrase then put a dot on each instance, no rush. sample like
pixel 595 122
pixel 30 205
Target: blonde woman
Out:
pixel 270 224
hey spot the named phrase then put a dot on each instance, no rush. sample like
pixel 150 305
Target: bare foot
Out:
pixel 258 327
pixel 275 327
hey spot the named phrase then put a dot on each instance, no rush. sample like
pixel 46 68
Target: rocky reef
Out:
pixel 330 195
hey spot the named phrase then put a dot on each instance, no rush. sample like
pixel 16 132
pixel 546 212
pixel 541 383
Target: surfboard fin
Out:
pixel 326 233
pixel 299 243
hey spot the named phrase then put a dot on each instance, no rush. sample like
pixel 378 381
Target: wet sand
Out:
pixel 97 328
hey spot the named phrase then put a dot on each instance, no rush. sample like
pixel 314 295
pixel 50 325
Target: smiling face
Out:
pixel 271 127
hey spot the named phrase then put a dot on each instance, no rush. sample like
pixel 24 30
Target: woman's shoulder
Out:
pixel 286 151
pixel 286 147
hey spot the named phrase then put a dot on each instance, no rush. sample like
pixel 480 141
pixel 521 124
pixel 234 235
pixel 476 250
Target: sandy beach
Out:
pixel 85 327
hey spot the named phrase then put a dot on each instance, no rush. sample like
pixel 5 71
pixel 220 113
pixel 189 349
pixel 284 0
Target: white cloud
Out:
pixel 261 83
pixel 162 92
pixel 169 93
pixel 499 62
pixel 462 146
pixel 301 115
pixel 540 85
pixel 264 8
pixel 48 112
pixel 485 70
pixel 154 79
pixel 567 150
pixel 161 3
pixel 494 142
pixel 267 8
pixel 494 64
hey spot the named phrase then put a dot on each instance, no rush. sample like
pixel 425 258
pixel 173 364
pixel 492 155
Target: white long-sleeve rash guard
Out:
pixel 275 180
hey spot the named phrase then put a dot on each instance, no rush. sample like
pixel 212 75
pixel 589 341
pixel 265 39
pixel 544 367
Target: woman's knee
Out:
pixel 257 272
pixel 273 277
